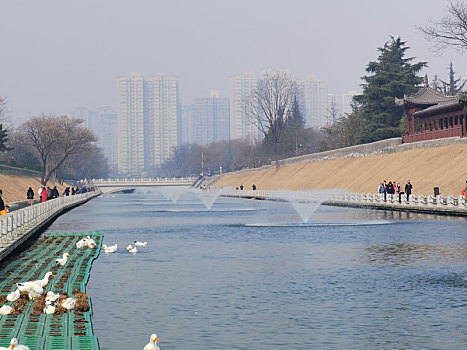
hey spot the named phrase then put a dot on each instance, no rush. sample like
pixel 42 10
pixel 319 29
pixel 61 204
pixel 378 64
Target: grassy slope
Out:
pixel 445 167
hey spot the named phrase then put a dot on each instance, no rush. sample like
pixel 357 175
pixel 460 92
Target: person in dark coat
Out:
pixel 2 205
pixel 30 196
pixel 253 187
pixel 408 189
pixel 54 193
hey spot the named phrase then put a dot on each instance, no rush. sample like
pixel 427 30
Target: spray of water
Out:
pixel 172 193
pixel 305 203
pixel 208 196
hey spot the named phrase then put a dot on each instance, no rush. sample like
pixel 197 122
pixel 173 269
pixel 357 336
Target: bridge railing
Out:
pixel 19 222
pixel 158 180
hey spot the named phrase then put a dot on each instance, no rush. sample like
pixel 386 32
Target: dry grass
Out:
pixel 445 167
pixel 15 187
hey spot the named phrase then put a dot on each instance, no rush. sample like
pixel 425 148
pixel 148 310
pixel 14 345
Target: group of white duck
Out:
pixel 130 248
pixel 14 344
pixel 33 288
pixel 36 288
pixel 87 242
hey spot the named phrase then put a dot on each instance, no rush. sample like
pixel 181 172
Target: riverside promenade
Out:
pixel 448 205
pixel 18 226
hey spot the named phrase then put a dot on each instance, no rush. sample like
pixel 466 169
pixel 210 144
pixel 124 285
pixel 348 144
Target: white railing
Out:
pixel 158 179
pixel 19 222
pixel 343 197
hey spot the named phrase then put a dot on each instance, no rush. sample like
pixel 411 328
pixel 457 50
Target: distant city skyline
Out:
pixel 52 63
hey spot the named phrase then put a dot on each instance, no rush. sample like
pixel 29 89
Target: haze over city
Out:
pixel 58 56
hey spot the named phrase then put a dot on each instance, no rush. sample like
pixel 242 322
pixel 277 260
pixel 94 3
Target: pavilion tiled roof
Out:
pixel 425 97
pixel 442 106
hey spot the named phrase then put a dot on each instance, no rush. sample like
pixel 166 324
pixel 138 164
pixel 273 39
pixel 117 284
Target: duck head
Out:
pixel 154 338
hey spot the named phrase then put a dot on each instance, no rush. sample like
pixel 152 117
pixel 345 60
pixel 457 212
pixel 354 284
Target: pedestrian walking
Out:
pixel 408 189
pixel 2 204
pixel 43 195
pixel 30 196
pixel 399 192
pixel 253 187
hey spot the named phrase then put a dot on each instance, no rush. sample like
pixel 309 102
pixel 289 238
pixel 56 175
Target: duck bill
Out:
pixel 157 339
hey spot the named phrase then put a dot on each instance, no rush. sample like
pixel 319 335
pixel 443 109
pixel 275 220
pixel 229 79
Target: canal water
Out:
pixel 245 276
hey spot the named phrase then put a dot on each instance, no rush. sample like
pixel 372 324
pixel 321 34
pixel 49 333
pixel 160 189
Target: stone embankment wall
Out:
pixel 360 169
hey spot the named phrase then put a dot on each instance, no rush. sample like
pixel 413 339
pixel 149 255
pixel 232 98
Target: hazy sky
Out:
pixel 58 55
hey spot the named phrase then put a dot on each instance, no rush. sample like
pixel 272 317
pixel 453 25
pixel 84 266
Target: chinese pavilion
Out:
pixel 433 115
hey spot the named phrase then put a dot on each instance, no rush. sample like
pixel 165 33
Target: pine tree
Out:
pixel 392 75
pixel 3 140
pixel 451 87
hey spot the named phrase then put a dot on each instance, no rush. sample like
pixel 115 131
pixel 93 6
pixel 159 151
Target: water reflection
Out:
pixel 404 254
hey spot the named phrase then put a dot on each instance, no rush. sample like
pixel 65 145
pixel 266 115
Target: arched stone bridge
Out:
pixel 116 185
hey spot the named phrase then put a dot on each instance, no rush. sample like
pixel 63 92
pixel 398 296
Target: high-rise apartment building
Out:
pixel 211 122
pixel 148 119
pixel 163 117
pixel 241 87
pixel 340 104
pixel 188 116
pixel 103 122
pixel 108 136
pixel 130 104
pixel 314 101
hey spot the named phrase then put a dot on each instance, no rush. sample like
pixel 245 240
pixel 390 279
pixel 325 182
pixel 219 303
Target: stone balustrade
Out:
pixel 439 204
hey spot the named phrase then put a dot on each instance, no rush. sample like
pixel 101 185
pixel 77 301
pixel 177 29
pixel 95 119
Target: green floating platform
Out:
pixel 71 330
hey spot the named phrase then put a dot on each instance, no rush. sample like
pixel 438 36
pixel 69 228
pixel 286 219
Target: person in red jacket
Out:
pixel 43 195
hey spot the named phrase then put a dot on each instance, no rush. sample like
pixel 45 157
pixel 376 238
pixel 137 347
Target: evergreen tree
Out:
pixel 451 87
pixel 3 140
pixel 392 75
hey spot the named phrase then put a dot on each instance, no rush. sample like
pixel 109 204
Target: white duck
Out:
pixel 13 296
pixel 131 249
pixel 5 310
pixel 35 292
pixel 81 243
pixel 152 343
pixel 90 243
pixel 50 309
pixel 68 303
pixel 51 298
pixel 45 281
pixel 111 249
pixel 63 260
pixel 25 287
pixel 141 244
pixel 15 345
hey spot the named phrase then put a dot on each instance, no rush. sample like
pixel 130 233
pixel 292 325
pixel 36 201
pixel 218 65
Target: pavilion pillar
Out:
pixel 409 115
pixel 465 124
pixel 413 125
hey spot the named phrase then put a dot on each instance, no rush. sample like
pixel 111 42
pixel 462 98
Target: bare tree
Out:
pixel 451 30
pixel 54 140
pixel 270 104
